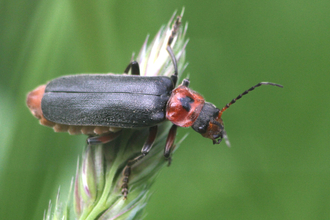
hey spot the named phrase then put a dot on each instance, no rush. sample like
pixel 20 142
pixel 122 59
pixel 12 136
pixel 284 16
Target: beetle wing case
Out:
pixel 107 100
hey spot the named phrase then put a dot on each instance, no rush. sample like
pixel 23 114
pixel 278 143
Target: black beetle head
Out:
pixel 209 124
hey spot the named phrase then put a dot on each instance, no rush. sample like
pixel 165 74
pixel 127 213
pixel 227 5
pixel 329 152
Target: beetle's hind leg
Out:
pixel 102 139
pixel 145 150
pixel 169 146
pixel 134 67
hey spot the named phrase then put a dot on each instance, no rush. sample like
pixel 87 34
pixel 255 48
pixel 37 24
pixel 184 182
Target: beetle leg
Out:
pixel 145 150
pixel 174 31
pixel 174 77
pixel 186 82
pixel 134 66
pixel 169 146
pixel 102 139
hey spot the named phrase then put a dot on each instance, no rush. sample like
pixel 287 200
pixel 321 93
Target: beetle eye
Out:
pixel 202 129
pixel 216 114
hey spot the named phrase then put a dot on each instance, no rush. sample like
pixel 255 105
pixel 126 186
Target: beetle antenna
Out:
pixel 174 31
pixel 246 92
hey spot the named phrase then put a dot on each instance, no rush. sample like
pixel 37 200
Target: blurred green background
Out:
pixel 279 164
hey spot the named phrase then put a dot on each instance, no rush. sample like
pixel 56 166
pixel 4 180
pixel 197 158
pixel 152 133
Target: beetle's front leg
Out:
pixel 102 139
pixel 145 150
pixel 186 82
pixel 169 146
pixel 134 66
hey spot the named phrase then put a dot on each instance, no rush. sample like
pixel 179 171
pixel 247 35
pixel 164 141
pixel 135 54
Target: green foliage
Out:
pixel 278 165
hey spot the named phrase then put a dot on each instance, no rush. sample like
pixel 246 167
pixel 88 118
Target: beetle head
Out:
pixel 210 125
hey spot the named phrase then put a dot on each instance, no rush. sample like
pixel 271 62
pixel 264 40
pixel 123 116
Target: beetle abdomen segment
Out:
pixel 73 129
pixel 33 101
